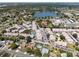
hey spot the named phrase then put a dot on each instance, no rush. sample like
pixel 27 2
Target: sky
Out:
pixel 39 0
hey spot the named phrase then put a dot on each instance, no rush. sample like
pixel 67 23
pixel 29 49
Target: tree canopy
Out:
pixel 13 46
pixel 28 39
pixel 62 37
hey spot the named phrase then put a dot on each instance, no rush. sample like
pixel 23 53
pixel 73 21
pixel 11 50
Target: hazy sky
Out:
pixel 39 0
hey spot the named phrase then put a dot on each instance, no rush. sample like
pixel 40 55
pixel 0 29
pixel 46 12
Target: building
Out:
pixel 34 26
pixel 44 51
pixel 23 45
pixel 52 38
pixel 68 14
pixel 10 34
pixel 63 54
pixel 31 45
pixel 49 31
pixel 38 35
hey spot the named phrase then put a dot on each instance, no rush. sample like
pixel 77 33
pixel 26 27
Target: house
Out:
pixel 49 31
pixel 52 38
pixel 39 45
pixel 31 45
pixel 44 51
pixel 33 33
pixel 38 35
pixel 22 45
pixel 2 42
pixel 63 54
pixel 34 26
pixel 68 14
pixel 10 34
pixel 52 54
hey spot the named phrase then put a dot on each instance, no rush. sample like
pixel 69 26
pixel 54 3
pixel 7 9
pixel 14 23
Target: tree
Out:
pixel 29 50
pixel 69 54
pixel 0 34
pixel 75 35
pixel 62 37
pixel 3 31
pixel 50 25
pixel 2 38
pixel 39 23
pixel 10 24
pixel 77 48
pixel 13 46
pixel 61 51
pixel 37 52
pixel 33 13
pixel 13 38
pixel 28 39
pixel 76 43
pixel 46 55
pixel 21 37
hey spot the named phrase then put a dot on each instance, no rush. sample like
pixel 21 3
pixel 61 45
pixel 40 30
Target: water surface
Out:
pixel 44 14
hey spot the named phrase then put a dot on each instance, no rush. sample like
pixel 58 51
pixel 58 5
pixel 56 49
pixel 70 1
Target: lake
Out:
pixel 45 14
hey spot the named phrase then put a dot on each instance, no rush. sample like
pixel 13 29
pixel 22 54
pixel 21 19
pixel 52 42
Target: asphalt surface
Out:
pixel 12 53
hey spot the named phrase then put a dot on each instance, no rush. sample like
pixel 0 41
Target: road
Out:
pixel 14 53
pixel 72 37
pixel 45 39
